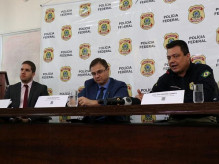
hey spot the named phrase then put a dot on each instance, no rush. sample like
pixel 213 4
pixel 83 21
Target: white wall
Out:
pixel 20 15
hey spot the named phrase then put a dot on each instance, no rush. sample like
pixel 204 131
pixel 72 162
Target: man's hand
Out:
pixel 139 95
pixel 83 101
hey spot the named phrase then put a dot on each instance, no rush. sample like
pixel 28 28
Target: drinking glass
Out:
pixel 198 93
pixel 73 98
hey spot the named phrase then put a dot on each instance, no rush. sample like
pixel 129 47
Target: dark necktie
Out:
pixel 25 96
pixel 100 96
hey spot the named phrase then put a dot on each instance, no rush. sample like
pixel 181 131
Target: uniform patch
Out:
pixel 206 74
pixel 191 85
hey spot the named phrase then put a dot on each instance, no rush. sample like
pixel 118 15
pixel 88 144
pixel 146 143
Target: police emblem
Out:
pixel 148 118
pixel 201 59
pixel 196 14
pixel 206 74
pixel 85 10
pixel 66 32
pixel 125 4
pixel 104 27
pixel 50 15
pixel 84 51
pixel 80 89
pixel 48 55
pixel 125 46
pixel 169 38
pixel 191 85
pixel 64 118
pixel 129 87
pixel 169 1
pixel 65 73
pixel 147 21
pixel 147 67
pixel 50 91
pixel 217 35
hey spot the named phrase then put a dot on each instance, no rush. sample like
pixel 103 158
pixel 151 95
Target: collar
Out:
pixel 106 85
pixel 29 84
pixel 191 65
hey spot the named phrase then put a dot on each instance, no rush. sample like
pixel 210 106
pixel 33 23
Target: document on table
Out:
pixel 5 103
pixel 167 97
pixel 52 101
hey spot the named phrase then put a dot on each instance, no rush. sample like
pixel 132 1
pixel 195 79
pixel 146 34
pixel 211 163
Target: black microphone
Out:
pixel 121 101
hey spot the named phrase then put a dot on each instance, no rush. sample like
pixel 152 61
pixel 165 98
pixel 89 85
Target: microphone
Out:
pixel 121 101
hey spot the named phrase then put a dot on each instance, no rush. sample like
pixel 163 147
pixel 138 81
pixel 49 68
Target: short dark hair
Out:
pixel 99 60
pixel 31 64
pixel 182 44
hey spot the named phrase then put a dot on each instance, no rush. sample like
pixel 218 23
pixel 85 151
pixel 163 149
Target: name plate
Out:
pixel 52 101
pixel 5 103
pixel 168 97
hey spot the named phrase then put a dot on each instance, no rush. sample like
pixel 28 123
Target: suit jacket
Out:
pixel 115 89
pixel 14 93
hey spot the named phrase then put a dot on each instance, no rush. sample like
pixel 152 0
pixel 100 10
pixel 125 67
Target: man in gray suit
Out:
pixel 25 93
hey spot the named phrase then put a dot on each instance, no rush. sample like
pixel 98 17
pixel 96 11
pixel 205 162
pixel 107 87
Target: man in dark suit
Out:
pixel 26 88
pixel 100 87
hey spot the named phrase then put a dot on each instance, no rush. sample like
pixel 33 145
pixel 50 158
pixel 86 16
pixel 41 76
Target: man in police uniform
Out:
pixel 182 74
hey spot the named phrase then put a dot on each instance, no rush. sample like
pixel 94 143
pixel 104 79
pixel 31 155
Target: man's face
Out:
pixel 178 62
pixel 26 74
pixel 100 74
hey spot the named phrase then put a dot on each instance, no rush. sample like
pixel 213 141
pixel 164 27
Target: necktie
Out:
pixel 100 96
pixel 25 96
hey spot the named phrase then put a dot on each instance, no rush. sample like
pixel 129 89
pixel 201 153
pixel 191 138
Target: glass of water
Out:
pixel 198 93
pixel 73 99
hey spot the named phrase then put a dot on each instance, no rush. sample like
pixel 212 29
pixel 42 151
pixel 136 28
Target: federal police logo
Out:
pixel 50 15
pixel 201 59
pixel 169 38
pixel 148 118
pixel 48 55
pixel 217 36
pixel 206 74
pixel 66 32
pixel 196 14
pixel 50 91
pixel 104 27
pixel 169 1
pixel 129 90
pixel 191 85
pixel 65 73
pixel 125 4
pixel 85 10
pixel 84 51
pixel 125 46
pixel 80 89
pixel 64 118
pixel 147 67
pixel 147 21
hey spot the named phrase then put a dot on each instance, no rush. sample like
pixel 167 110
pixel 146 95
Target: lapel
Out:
pixel 33 88
pixel 17 95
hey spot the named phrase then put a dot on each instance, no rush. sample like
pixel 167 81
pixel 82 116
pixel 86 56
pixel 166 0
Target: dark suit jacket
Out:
pixel 14 93
pixel 115 89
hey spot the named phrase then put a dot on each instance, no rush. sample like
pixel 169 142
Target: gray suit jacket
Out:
pixel 14 93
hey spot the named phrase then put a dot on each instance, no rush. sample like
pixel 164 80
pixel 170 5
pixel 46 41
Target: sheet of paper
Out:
pixel 52 101
pixel 5 103
pixel 169 97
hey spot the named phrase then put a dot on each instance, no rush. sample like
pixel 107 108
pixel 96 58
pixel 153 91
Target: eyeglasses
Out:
pixel 98 72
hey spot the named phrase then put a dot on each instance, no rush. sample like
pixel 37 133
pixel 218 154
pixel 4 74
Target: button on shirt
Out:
pixel 23 91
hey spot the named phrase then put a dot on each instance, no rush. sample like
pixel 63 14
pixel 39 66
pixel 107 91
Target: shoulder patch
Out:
pixel 206 74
